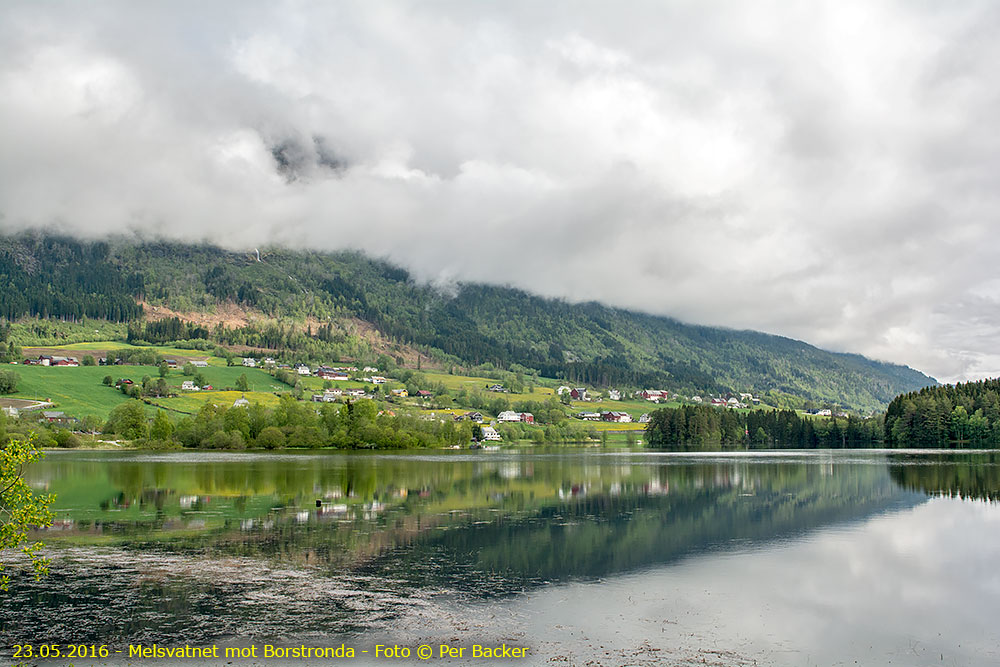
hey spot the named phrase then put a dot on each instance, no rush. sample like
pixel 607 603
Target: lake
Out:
pixel 583 556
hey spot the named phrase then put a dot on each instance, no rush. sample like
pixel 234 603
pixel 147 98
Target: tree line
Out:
pixel 358 424
pixel 960 415
pixel 694 428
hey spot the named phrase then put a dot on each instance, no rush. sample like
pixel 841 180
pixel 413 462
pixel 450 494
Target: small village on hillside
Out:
pixel 181 383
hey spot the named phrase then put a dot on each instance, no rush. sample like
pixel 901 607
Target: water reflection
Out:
pixel 959 475
pixel 534 517
pixel 245 545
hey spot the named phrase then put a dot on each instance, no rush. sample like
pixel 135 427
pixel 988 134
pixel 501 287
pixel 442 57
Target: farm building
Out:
pixel 49 360
pixel 511 416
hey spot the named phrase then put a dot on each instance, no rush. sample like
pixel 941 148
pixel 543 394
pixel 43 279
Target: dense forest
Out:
pixel 586 343
pixel 698 428
pixel 959 415
pixel 63 278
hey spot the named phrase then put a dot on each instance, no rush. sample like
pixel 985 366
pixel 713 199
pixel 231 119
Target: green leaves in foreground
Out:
pixel 20 507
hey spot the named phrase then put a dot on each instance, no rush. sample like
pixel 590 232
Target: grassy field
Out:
pixel 457 382
pixel 109 346
pixel 314 384
pixel 79 391
pixel 76 391
pixel 191 402
pixel 221 377
pixel 615 426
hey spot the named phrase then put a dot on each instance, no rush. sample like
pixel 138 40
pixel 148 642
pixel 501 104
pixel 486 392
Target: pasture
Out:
pixel 79 391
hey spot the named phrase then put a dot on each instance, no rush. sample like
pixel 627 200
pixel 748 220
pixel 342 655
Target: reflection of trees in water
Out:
pixel 402 526
pixel 600 535
pixel 435 518
pixel 957 475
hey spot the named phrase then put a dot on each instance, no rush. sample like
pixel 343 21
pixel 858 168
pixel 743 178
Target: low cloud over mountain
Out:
pixel 818 170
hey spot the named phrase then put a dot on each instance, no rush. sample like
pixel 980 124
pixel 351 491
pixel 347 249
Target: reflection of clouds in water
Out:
pixel 919 586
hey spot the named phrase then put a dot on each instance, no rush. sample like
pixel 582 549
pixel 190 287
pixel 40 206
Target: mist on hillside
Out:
pixel 797 175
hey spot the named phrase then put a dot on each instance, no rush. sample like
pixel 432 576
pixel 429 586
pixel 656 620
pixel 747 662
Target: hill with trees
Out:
pixel 959 415
pixel 472 325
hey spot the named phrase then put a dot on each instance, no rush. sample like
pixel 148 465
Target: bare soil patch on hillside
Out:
pixel 229 315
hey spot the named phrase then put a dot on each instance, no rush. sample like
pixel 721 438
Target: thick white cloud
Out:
pixel 822 170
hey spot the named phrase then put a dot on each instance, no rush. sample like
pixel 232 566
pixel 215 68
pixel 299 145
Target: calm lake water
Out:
pixel 585 556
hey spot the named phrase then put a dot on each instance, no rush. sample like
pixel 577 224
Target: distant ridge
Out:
pixel 588 343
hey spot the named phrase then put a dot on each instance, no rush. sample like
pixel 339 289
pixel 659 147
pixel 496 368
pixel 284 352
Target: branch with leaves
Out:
pixel 21 509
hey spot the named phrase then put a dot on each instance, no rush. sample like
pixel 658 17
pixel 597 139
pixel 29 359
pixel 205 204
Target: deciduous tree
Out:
pixel 20 507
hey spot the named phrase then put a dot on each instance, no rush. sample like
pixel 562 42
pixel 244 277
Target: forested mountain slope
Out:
pixel 586 343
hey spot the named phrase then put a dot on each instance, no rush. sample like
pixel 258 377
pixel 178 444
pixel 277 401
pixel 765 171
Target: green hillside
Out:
pixel 80 391
pixel 583 343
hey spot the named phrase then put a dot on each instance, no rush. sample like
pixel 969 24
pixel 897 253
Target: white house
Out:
pixel 509 416
pixel 328 396
pixel 614 395
pixel 644 418
pixel 200 364
pixel 241 403
pixel 302 369
pixel 189 385
pixel 562 389
pixel 249 362
pixel 488 433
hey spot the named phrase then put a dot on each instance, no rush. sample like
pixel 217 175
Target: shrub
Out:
pixel 8 381
pixel 67 439
pixel 271 438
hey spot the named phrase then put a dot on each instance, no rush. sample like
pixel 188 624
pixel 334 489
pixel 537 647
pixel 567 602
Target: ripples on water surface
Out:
pixel 610 557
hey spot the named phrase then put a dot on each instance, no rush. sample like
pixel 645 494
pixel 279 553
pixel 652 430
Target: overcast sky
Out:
pixel 822 170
